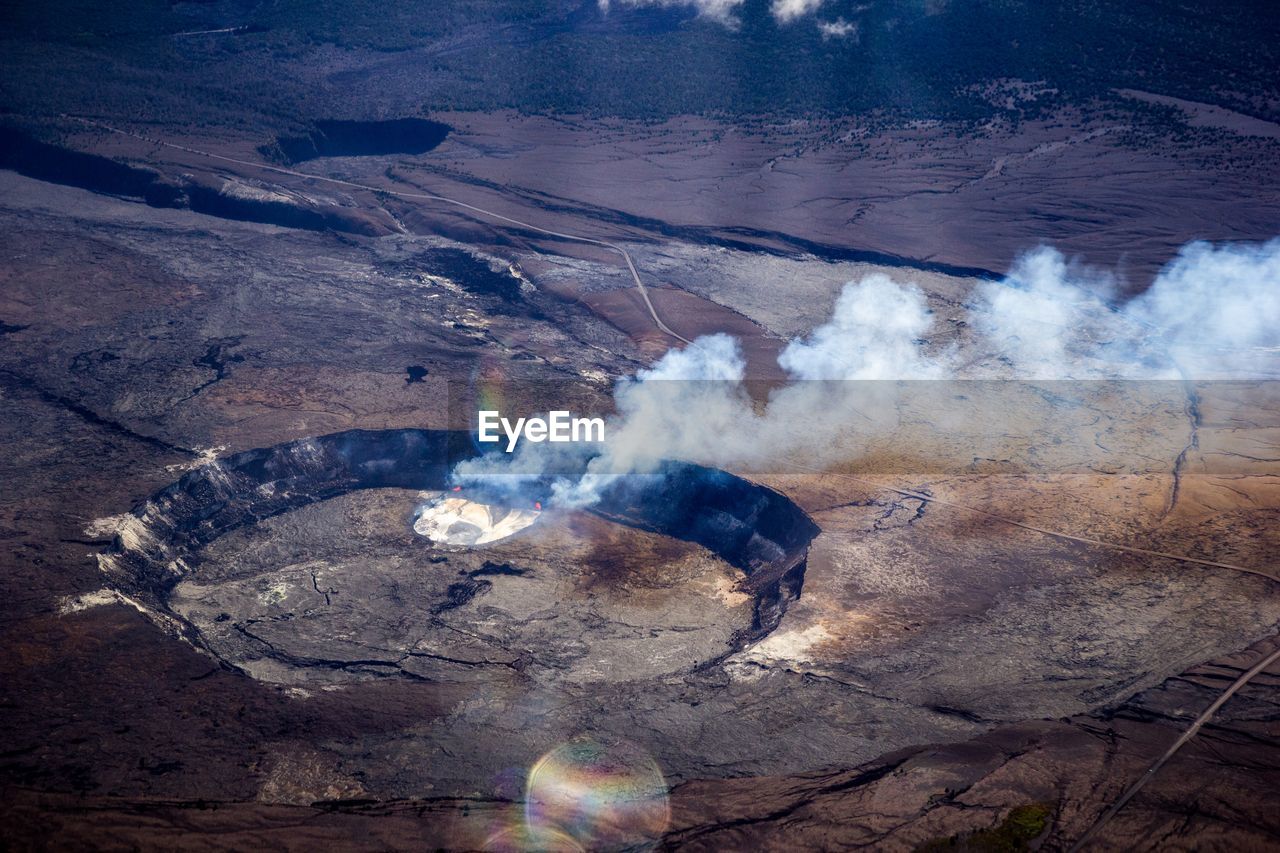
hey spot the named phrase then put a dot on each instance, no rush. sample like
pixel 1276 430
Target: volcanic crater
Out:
pixel 669 572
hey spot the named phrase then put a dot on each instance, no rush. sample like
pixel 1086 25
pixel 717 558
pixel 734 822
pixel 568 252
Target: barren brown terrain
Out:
pixel 920 622
pixel 259 270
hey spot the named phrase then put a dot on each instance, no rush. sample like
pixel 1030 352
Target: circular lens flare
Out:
pixel 524 839
pixel 605 794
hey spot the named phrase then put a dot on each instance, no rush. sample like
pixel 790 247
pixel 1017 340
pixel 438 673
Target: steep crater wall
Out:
pixel 159 558
pixel 25 154
pixel 334 138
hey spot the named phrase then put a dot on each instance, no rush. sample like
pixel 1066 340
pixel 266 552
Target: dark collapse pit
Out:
pixel 333 138
pixel 161 558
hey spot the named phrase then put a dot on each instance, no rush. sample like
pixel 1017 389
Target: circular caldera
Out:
pixel 350 557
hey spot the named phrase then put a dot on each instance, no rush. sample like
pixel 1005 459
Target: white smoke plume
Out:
pixel 717 10
pixel 1033 316
pixel 786 11
pixel 1217 309
pixel 725 11
pixel 875 332
pixel 1214 312
pixel 839 29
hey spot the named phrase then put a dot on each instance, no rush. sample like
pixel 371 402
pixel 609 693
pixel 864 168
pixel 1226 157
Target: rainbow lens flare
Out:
pixel 523 839
pixel 602 794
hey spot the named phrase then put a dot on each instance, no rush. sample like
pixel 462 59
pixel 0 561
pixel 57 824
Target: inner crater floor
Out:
pixel 574 597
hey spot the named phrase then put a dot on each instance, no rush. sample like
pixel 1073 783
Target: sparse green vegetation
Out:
pixel 1012 835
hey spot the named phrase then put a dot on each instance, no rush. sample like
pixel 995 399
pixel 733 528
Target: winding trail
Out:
pixel 626 256
pixel 238 29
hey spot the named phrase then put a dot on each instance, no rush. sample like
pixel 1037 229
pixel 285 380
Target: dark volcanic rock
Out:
pixel 362 139
pixel 27 155
pixel 1058 776
pixel 499 289
pixel 23 153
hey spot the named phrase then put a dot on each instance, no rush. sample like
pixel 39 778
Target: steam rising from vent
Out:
pixel 875 333
pixel 1213 313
